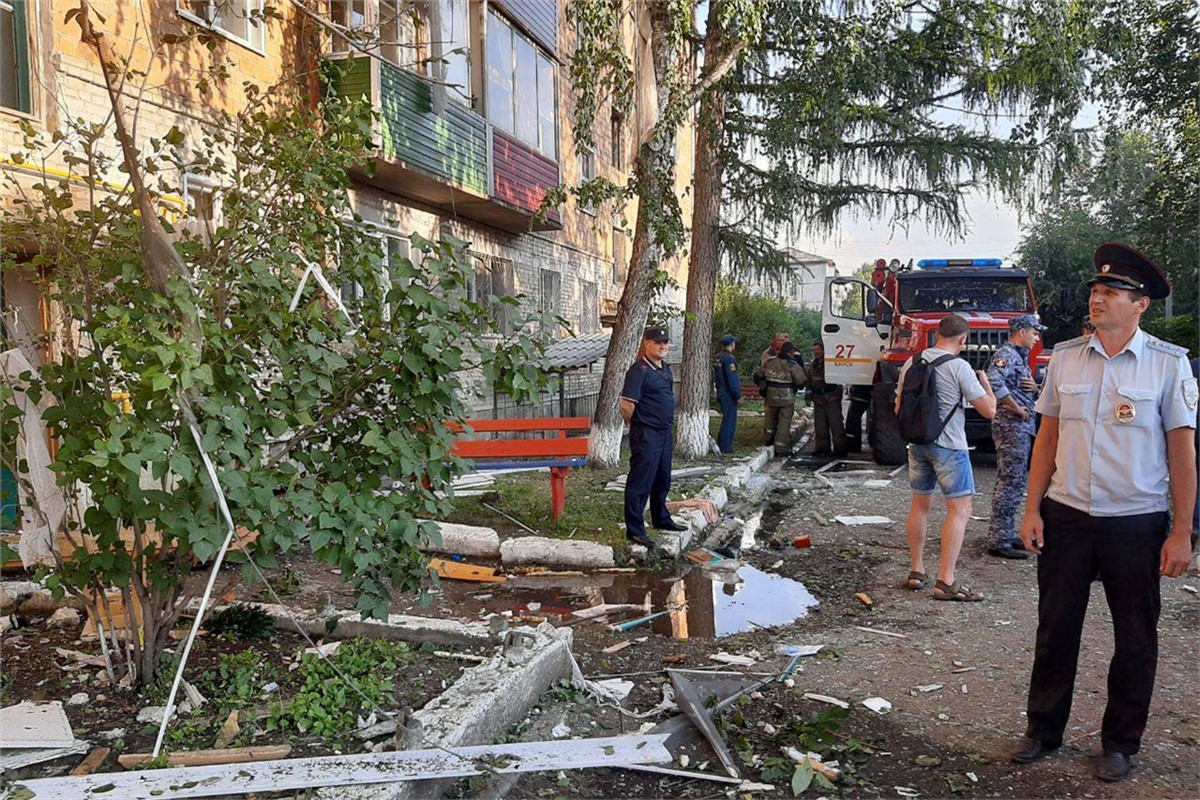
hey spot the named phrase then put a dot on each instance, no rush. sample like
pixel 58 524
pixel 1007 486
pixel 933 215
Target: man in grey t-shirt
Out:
pixel 945 464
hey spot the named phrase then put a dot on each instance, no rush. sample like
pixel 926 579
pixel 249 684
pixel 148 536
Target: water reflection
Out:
pixel 708 603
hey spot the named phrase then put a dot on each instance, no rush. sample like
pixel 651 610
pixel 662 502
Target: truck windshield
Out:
pixel 964 293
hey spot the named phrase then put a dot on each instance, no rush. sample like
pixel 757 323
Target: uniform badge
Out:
pixel 1002 362
pixel 1126 413
pixel 1106 268
pixel 733 368
pixel 1191 393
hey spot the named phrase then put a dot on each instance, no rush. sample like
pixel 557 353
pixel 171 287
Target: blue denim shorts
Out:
pixel 931 467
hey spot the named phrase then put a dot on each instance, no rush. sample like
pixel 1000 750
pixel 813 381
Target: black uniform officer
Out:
pixel 648 405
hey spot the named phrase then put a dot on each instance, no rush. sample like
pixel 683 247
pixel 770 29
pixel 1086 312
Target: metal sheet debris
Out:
pixel 362 769
pixel 28 756
pixel 824 698
pixel 693 705
pixel 35 725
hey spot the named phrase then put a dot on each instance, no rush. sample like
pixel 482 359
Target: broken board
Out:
pixel 35 725
pixel 363 769
pixel 465 572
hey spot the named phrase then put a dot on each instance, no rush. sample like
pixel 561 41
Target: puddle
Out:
pixel 702 602
pixel 761 600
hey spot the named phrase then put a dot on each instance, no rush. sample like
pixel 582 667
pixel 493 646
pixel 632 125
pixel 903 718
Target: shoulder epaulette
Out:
pixel 1076 342
pixel 1166 347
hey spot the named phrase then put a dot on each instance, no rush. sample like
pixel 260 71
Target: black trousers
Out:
pixel 1123 553
pixel 649 478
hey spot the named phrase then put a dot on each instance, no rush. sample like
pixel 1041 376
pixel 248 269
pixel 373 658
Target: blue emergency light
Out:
pixel 942 263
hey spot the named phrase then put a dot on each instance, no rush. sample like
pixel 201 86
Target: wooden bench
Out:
pixel 561 453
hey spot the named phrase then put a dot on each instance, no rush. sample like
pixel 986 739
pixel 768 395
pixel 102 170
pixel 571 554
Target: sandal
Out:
pixel 916 581
pixel 955 591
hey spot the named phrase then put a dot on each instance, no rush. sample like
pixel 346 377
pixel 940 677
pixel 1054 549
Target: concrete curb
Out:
pixel 398 627
pixel 485 702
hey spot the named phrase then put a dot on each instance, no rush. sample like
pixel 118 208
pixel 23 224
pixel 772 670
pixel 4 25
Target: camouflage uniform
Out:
pixel 829 433
pixel 1014 440
pixel 779 379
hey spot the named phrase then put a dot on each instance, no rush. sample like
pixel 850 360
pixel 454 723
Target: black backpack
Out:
pixel 920 422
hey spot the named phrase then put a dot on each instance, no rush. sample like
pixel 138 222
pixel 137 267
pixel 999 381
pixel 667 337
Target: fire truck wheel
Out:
pixel 887 446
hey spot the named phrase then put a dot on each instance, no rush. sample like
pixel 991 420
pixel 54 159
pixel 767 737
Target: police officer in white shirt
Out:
pixel 1118 412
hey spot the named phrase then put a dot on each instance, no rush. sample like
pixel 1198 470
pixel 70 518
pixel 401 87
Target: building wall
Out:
pixel 68 84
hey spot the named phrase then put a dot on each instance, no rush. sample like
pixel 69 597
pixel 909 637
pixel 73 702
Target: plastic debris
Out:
pixel 877 704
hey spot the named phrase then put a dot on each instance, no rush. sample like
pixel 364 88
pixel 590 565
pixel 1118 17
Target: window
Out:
pixel 550 300
pixel 239 20
pixel 618 142
pixel 203 214
pixel 350 15
pixel 15 48
pixel 847 299
pixel 521 83
pixel 495 278
pixel 589 308
pixel 431 37
pixel 587 172
pixel 620 257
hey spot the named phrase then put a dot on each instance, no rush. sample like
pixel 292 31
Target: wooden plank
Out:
pixel 458 571
pixel 522 448
pixel 514 425
pixel 92 762
pixel 204 758
pixel 361 769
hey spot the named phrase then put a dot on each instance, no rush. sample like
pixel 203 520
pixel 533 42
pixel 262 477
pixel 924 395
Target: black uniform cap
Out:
pixel 1125 268
pixel 659 335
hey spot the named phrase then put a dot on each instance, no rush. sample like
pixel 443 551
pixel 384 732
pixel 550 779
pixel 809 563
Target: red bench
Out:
pixel 561 453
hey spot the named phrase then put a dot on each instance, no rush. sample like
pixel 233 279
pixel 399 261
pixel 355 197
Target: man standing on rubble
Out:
pixel 1013 432
pixel 1114 453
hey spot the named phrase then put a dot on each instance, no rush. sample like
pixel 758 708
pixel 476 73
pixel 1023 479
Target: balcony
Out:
pixel 445 155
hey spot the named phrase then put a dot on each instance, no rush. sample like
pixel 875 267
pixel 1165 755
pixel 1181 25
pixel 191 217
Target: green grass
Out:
pixel 592 514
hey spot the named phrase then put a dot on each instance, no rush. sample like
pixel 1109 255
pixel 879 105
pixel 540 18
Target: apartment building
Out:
pixel 475 123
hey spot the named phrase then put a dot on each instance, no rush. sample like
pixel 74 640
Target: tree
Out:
pixel 754 320
pixel 311 412
pixel 888 110
pixel 601 69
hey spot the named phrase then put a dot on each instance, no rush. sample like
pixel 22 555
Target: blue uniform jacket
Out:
pixel 650 387
pixel 1010 366
pixel 725 375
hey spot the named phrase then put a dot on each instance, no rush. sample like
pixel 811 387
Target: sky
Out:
pixel 993 231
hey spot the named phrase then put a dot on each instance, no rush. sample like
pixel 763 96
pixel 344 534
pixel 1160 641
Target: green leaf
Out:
pixel 802 778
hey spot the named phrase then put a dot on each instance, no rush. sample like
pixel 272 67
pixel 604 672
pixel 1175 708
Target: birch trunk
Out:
pixel 692 421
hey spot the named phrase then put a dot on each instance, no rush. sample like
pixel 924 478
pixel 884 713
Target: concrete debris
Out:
pixel 78 699
pixel 732 660
pixel 13 593
pixel 877 704
pixel 824 698
pixel 325 650
pixel 557 552
pixel 928 687
pixel 561 731
pixel 852 520
pixel 152 714
pixel 65 618
pixel 751 786
pixel 468 540
pixel 112 735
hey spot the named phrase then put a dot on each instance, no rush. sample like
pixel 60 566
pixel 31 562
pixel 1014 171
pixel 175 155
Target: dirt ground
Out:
pixel 950 741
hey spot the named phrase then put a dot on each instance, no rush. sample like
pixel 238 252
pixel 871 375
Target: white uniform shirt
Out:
pixel 1113 417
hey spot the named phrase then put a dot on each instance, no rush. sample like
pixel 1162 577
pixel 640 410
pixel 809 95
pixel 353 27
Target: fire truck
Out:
pixel 870 329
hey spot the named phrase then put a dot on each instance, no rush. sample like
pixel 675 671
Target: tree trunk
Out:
pixel 692 420
pixel 654 176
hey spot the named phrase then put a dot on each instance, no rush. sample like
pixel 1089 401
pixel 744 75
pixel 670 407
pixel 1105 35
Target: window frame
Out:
pixel 24 20
pixel 587 155
pixel 209 186
pixel 252 6
pixel 549 149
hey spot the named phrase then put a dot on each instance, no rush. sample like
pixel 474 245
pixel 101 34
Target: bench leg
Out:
pixel 558 490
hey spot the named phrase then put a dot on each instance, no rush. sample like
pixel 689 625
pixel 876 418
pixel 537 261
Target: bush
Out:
pixel 326 705
pixel 755 320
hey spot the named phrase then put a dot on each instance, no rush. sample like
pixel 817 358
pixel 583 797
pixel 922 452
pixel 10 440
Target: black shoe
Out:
pixel 672 526
pixel 1112 766
pixel 1030 750
pixel 1017 544
pixel 1006 550
pixel 644 540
